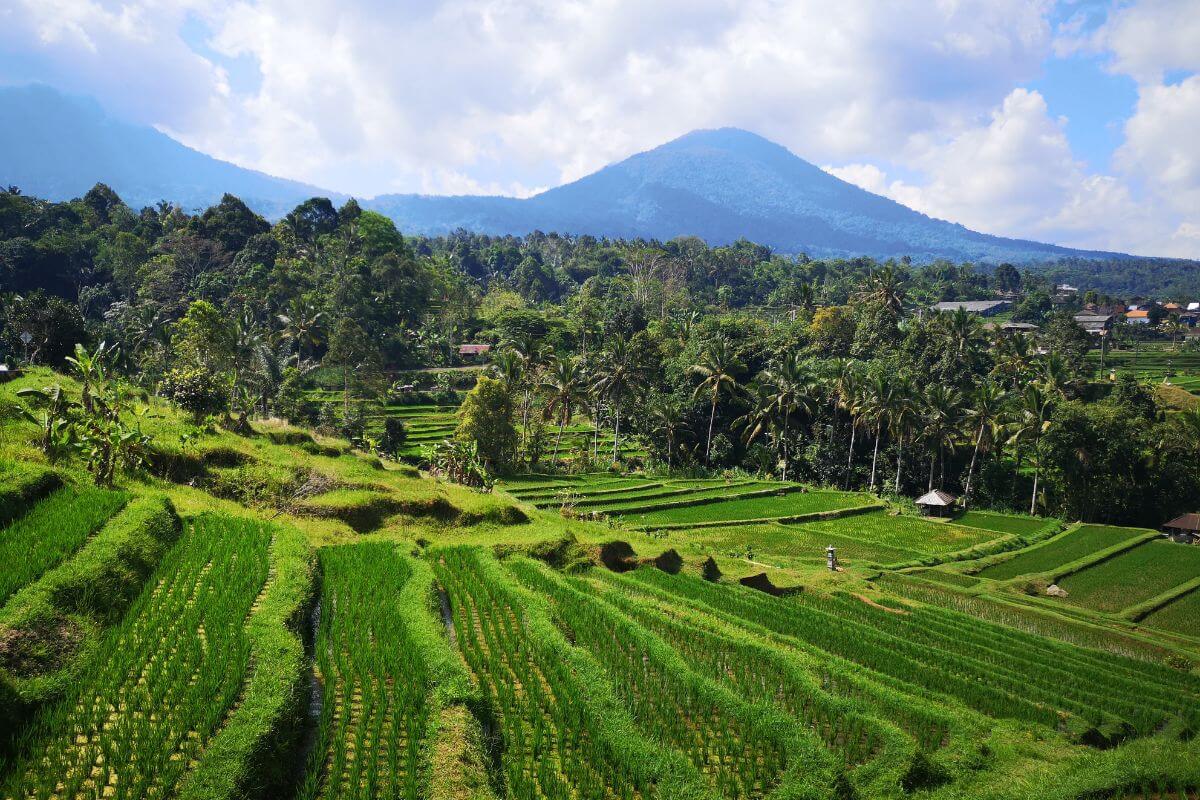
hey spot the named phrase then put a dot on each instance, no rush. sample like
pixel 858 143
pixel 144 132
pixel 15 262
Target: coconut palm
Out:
pixel 984 412
pixel 903 417
pixel 941 412
pixel 619 377
pixel 667 420
pixel 963 330
pixel 848 394
pixel 718 367
pixel 791 389
pixel 1034 410
pixel 303 325
pixel 564 387
pixel 879 402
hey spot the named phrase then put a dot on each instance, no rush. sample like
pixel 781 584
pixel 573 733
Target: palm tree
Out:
pixel 1014 359
pixel 618 377
pixel 848 394
pixel 564 385
pixel 883 289
pixel 986 406
pixel 904 415
pixel 942 413
pixel 879 402
pixel 1032 423
pixel 963 329
pixel 718 367
pixel 1057 377
pixel 791 388
pixel 509 367
pixel 302 324
pixel 667 420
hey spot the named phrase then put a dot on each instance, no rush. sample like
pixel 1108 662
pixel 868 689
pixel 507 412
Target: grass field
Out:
pixel 53 530
pixel 903 533
pixel 769 507
pixel 1063 549
pixel 1139 574
pixel 471 646
pixel 1003 523
pixel 1179 616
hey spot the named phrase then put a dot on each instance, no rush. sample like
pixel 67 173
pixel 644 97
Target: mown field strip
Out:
pixel 1004 523
pixel 50 532
pixel 160 683
pixel 1063 549
pixel 1179 616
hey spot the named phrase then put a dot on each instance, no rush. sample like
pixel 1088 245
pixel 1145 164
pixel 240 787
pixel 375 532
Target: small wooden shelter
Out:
pixel 1184 528
pixel 936 503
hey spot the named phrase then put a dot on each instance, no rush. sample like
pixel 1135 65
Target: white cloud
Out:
pixel 504 96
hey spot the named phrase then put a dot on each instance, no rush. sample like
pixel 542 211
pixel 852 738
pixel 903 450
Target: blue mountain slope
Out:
pixel 722 185
pixel 56 146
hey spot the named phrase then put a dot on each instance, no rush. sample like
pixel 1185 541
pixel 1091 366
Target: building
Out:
pixel 1137 317
pixel 936 503
pixel 474 349
pixel 1095 324
pixel 984 308
pixel 1184 528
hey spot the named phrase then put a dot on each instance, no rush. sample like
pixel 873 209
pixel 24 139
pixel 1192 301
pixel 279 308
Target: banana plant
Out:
pixel 53 418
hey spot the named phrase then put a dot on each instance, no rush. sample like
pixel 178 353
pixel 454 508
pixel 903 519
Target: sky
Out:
pixel 1075 122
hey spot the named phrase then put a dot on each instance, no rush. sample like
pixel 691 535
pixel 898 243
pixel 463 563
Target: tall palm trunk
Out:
pixel 875 456
pixel 617 433
pixel 899 458
pixel 562 423
pixel 712 416
pixel 1037 468
pixel 850 455
pixel 971 468
pixel 784 443
pixel 932 462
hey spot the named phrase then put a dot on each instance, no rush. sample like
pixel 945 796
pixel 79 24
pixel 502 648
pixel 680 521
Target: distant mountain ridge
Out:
pixel 58 146
pixel 720 185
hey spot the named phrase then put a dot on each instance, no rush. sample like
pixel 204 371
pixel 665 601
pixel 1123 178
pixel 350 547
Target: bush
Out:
pixel 394 435
pixel 196 390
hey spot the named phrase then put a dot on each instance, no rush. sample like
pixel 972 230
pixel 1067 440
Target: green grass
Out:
pixel 53 530
pixel 904 533
pixel 784 544
pixel 646 504
pixel 1003 523
pixel 1143 572
pixel 774 506
pixel 1062 549
pixel 1179 616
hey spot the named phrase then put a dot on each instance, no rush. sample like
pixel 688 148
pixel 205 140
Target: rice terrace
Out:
pixel 524 400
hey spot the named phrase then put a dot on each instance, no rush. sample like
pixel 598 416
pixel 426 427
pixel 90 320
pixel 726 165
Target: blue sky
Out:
pixel 1071 122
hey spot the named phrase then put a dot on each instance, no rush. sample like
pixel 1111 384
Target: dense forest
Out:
pixel 715 358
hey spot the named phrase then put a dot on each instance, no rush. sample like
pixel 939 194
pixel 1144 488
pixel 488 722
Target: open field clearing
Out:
pixel 902 533
pixel 1062 549
pixel 50 532
pixel 160 683
pixel 1129 578
pixel 768 507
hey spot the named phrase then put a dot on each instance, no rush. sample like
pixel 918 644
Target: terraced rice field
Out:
pixel 902 533
pixel 374 680
pixel 1154 363
pixel 773 506
pixel 1003 523
pixel 783 545
pixel 50 532
pixel 1179 616
pixel 1134 576
pixel 160 683
pixel 1062 549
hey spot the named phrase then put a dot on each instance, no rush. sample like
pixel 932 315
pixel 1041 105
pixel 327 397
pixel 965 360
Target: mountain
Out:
pixel 722 185
pixel 58 146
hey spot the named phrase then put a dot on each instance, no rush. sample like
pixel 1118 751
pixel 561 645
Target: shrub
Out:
pixel 196 390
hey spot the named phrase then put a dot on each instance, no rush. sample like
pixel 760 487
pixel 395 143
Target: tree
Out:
pixel 203 338
pixel 984 412
pixel 666 420
pixel 618 377
pixel 718 367
pixel 303 324
pixel 351 350
pixel 880 401
pixel 564 386
pixel 942 413
pixel 54 327
pixel 1034 411
pixel 485 422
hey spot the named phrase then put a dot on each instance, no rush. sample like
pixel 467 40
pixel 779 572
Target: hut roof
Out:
pixel 1184 522
pixel 936 498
